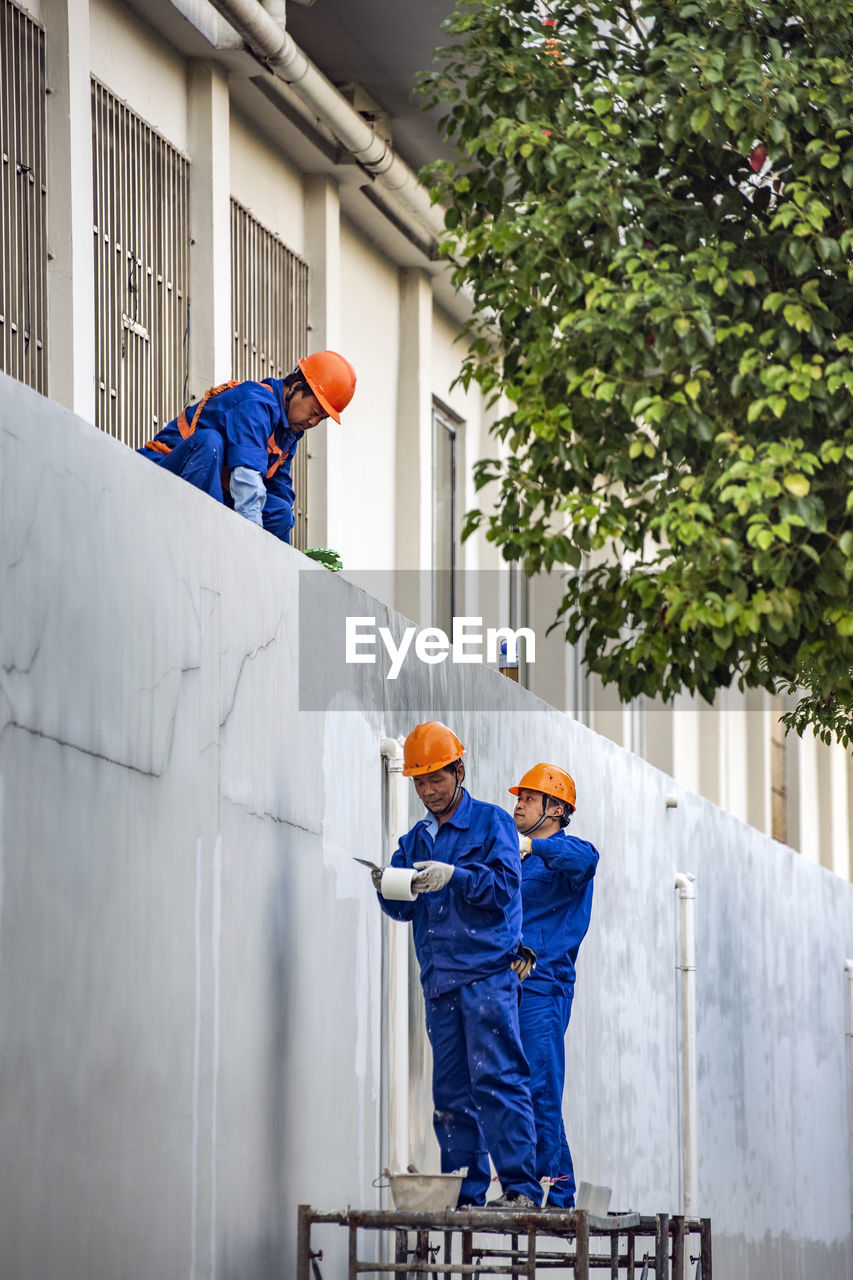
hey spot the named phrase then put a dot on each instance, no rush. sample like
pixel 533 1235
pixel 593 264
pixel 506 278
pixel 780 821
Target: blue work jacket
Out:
pixel 556 891
pixel 251 419
pixel 472 927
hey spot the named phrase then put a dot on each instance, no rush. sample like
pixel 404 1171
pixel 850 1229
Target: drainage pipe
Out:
pixel 685 884
pixel 396 948
pixel 273 45
pixel 848 969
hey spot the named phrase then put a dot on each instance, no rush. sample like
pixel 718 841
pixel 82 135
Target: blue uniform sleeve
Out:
pixel 245 416
pixel 399 910
pixel 494 879
pixel 575 860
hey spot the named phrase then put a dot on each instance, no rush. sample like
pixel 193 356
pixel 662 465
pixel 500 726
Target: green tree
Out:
pixel 652 206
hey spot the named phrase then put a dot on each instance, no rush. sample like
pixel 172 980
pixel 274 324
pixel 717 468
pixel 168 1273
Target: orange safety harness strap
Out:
pixel 187 429
pixel 274 451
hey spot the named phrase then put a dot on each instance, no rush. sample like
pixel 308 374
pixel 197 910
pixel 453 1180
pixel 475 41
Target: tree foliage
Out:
pixel 652 206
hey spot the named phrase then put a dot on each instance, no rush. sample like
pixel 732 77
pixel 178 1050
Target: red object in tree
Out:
pixel 758 157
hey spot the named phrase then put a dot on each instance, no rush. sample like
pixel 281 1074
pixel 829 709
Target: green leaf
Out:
pixel 796 484
pixel 699 118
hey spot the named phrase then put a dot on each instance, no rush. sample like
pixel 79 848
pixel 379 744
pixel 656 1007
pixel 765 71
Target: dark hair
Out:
pixel 295 381
pixel 566 808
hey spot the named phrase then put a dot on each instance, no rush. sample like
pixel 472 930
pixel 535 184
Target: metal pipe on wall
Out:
pixel 396 940
pixel 276 48
pixel 848 970
pixel 685 884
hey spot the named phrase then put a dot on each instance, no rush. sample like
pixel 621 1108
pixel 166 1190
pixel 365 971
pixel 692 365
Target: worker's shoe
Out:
pixel 512 1200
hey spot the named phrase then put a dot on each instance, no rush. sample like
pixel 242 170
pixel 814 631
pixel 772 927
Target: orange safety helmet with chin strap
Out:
pixel 550 781
pixel 332 380
pixel 429 747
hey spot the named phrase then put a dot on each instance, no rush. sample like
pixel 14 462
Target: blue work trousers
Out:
pixel 544 1019
pixel 481 1087
pixel 198 459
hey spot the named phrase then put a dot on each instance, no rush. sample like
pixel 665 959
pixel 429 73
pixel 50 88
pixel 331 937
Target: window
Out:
pixel 23 236
pixel 445 426
pixel 269 312
pixel 141 209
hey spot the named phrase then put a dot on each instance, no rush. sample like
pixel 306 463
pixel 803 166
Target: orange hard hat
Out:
pixel 429 747
pixel 332 380
pixel 551 781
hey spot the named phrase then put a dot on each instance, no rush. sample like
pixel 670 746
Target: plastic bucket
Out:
pixel 425 1192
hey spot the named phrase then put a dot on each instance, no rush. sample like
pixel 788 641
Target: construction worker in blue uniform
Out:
pixel 237 443
pixel 466 920
pixel 557 883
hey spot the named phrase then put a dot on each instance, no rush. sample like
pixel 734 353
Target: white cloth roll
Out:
pixel 397 884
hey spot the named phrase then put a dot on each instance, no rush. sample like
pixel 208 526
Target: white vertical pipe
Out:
pixel 848 969
pixel 685 883
pixel 397 951
pixel 277 11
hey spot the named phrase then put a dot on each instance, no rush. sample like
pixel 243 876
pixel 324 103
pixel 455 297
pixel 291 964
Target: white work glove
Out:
pixel 525 845
pixel 431 876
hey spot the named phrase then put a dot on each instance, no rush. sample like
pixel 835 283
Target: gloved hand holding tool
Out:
pixel 431 876
pixel 391 882
pixel 375 872
pixel 525 845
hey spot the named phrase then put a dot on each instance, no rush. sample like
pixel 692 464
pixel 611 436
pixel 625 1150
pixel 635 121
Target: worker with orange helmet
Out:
pixel 237 442
pixel 466 921
pixel 557 881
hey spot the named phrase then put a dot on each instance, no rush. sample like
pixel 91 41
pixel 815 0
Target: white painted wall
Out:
pixel 190 960
pixel 266 185
pixel 359 499
pixel 135 63
pixel 362 452
pixel 32 7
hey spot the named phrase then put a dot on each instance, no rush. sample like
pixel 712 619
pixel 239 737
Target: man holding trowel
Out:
pixel 557 877
pixel 462 874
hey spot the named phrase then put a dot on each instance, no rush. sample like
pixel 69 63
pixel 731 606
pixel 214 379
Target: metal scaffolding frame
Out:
pixel 523 1244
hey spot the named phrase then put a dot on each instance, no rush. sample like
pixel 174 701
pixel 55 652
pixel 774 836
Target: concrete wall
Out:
pixel 369 486
pixel 191 963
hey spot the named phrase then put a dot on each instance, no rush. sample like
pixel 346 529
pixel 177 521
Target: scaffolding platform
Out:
pixel 519 1244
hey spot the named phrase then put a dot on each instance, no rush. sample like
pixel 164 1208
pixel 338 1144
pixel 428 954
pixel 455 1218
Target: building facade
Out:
pixel 182 205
